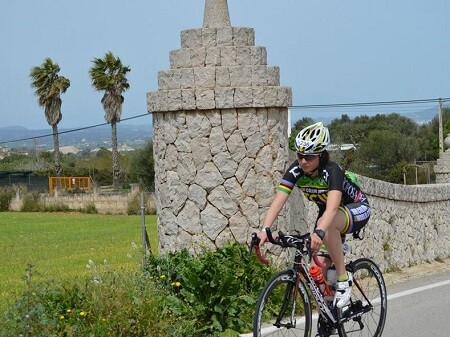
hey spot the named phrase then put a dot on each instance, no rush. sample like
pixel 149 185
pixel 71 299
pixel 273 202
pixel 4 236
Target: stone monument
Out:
pixel 442 168
pixel 220 124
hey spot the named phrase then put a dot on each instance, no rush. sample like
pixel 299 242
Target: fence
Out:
pixel 71 184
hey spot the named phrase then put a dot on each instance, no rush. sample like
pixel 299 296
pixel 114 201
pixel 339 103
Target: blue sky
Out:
pixel 329 51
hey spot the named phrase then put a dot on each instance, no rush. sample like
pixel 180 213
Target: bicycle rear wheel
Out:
pixel 283 310
pixel 367 313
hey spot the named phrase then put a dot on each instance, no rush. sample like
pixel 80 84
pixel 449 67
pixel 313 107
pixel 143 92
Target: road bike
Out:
pixel 285 306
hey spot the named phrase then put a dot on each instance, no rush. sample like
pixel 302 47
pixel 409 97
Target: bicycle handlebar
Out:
pixel 302 242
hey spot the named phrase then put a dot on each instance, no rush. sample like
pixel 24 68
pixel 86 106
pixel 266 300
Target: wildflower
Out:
pixel 69 310
pixel 176 284
pixel 61 317
pixel 162 276
pixel 82 313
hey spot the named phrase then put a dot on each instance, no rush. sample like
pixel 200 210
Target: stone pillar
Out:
pixel 442 168
pixel 219 135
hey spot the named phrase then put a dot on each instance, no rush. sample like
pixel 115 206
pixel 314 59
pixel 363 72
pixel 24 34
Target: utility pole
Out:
pixel 441 130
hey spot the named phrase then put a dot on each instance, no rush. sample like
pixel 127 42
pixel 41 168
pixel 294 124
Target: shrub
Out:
pixel 32 202
pixel 89 209
pixel 212 293
pixel 178 295
pixel 57 207
pixel 112 304
pixel 6 195
pixel 134 205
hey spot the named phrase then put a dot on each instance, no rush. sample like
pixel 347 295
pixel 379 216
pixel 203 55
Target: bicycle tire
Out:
pixel 366 315
pixel 276 303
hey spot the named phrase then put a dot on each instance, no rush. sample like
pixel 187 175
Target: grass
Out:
pixel 60 245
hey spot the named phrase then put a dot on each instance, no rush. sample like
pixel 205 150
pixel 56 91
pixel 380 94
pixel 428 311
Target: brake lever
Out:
pixel 255 244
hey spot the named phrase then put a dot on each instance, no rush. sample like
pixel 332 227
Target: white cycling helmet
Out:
pixel 313 139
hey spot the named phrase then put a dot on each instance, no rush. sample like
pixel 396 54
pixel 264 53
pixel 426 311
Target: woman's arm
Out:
pixel 272 213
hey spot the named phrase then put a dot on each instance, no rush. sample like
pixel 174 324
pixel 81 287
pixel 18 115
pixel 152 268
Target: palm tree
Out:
pixel 109 75
pixel 49 87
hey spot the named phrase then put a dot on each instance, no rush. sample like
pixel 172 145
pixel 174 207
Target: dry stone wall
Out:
pixel 410 224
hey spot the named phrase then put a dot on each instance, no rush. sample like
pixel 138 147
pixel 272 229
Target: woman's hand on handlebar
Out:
pixel 316 242
pixel 262 235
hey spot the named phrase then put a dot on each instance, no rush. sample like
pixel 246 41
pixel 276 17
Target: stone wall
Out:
pixel 410 224
pixel 111 203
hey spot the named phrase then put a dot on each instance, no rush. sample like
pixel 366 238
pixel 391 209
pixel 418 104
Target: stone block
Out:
pixel 170 100
pixel 191 38
pixel 243 97
pixel 284 96
pixel 212 58
pixel 185 78
pixel 166 80
pixel 188 101
pixel 243 55
pixel 228 56
pixel 198 57
pixel 205 99
pixel 180 58
pixel 224 98
pixel 243 36
pixel 271 96
pixel 241 76
pixel 224 36
pixel 209 37
pixel 273 76
pixel 223 77
pixel 258 97
pixel 259 76
pixel 153 102
pixel 205 77
pixel 258 56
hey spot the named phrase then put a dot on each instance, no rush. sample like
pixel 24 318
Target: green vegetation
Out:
pixel 212 293
pixel 82 275
pixel 59 245
pixel 388 147
pixel 49 87
pixel 109 75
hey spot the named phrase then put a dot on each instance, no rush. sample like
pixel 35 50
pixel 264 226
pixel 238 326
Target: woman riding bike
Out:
pixel 343 207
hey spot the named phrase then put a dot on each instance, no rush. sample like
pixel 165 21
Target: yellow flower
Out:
pixel 176 284
pixel 162 276
pixel 82 314
pixel 69 310
pixel 61 317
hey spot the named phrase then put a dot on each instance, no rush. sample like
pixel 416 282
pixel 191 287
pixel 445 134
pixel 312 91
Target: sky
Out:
pixel 328 51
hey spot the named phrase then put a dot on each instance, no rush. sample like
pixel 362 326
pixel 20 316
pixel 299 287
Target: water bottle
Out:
pixel 318 277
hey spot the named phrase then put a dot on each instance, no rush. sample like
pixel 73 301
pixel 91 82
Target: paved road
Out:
pixel 419 307
pixel 418 301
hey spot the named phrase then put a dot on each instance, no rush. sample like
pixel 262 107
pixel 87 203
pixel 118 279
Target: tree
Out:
pixel 142 168
pixel 109 75
pixel 49 87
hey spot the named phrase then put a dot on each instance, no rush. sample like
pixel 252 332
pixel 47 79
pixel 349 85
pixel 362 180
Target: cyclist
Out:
pixel 343 207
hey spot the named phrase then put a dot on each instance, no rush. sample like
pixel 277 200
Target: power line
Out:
pixel 68 131
pixel 359 104
pixel 294 107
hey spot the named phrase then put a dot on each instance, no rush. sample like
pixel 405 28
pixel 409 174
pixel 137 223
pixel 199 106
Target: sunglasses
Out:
pixel 307 157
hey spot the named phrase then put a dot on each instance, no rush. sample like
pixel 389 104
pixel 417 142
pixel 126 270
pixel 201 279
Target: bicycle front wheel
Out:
pixel 282 309
pixel 367 312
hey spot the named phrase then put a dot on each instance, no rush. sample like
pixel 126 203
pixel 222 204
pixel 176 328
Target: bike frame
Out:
pixel 301 270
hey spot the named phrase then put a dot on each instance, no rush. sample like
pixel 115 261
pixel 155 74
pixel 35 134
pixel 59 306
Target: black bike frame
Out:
pixel 302 269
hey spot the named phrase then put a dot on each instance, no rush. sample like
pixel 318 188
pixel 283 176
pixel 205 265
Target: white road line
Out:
pixel 416 290
pixel 390 297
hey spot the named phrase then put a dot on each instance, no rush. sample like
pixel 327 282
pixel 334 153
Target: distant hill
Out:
pixel 131 135
pixel 326 116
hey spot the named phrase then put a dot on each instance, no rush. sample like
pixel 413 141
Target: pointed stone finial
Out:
pixel 216 14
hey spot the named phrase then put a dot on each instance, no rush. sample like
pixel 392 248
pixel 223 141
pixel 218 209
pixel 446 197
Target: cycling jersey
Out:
pixel 331 177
